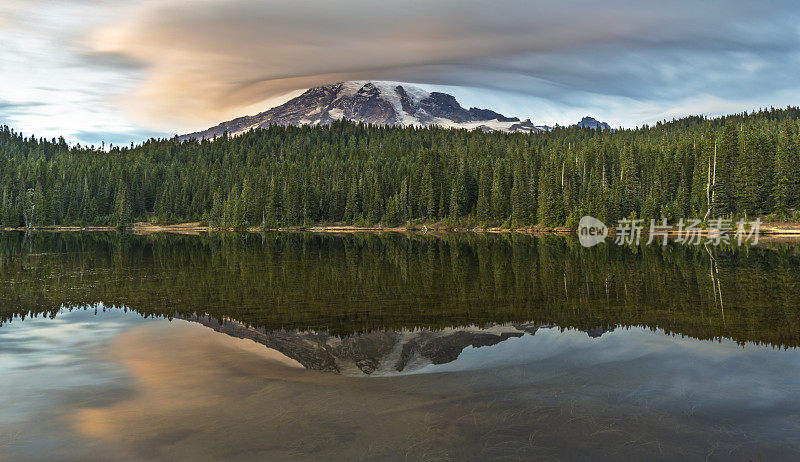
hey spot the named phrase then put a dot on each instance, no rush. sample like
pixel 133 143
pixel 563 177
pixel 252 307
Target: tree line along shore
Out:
pixel 360 176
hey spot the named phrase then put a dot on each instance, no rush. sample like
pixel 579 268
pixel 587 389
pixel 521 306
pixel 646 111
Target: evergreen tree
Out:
pixel 484 206
pixel 787 166
pixel 727 159
pixel 629 187
pixel 122 213
pixel 519 195
pixel 428 195
pixel 271 209
pixel 500 193
pixel 458 194
pixel 352 207
pixel 551 208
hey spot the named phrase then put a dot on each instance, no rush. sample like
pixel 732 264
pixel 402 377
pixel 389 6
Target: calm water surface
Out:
pixel 289 346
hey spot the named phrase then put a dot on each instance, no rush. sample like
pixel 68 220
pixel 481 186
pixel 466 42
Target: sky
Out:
pixel 124 71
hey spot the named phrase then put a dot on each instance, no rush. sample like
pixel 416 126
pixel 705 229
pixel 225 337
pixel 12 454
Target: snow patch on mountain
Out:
pixel 374 102
pixel 336 114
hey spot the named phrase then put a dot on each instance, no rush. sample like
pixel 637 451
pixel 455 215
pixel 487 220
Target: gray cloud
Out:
pixel 8 105
pixel 109 60
pixel 217 58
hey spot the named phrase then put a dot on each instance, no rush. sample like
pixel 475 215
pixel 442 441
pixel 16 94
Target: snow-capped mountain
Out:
pixel 380 352
pixel 376 102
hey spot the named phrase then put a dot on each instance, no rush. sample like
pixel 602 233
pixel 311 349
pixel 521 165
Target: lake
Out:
pixel 297 346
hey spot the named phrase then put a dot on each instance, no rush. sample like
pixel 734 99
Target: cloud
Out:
pixel 53 82
pixel 111 60
pixel 178 68
pixel 116 138
pixel 9 106
pixel 208 62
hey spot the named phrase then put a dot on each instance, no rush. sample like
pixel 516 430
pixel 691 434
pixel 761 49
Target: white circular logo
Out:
pixel 591 231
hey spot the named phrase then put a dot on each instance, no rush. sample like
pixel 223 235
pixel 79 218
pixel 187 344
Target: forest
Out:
pixel 746 164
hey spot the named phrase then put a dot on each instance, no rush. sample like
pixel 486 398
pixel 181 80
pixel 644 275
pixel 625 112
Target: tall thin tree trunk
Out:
pixel 711 185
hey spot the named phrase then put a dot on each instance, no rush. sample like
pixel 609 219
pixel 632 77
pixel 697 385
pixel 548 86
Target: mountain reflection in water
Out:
pixel 115 386
pixel 395 347
pixel 377 352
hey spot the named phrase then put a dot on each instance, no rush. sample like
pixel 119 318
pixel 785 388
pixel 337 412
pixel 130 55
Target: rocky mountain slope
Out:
pixel 378 352
pixel 380 103
pixel 591 122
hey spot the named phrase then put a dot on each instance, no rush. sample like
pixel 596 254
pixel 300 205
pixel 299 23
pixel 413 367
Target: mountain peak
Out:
pixel 591 122
pixel 375 102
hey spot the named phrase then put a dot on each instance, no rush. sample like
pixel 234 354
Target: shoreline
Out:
pixel 197 228
pixel 773 229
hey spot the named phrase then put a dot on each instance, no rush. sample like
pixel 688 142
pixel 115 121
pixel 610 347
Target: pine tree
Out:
pixel 38 208
pixel 747 175
pixel 246 199
pixel 233 209
pixel 787 165
pixel 629 187
pixel 458 193
pixel 765 168
pixel 27 207
pixel 519 195
pixel 405 201
pixel 352 206
pixel 393 211
pixel 376 206
pixel 727 158
pixel 122 213
pixel 500 193
pixel 271 211
pixel 780 193
pixel 293 197
pixel 484 193
pixel 310 203
pixel 216 216
pixel 550 206
pixel 428 195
